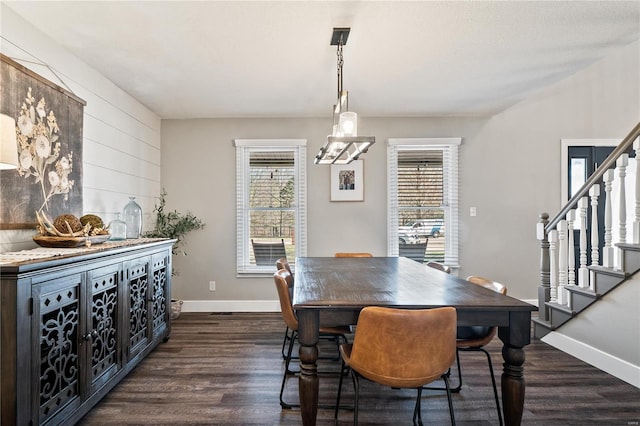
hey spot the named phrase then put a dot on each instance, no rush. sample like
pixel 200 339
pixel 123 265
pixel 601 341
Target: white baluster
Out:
pixel 621 166
pixel 594 193
pixel 607 250
pixel 583 272
pixel 571 252
pixel 553 265
pixel 636 219
pixel 562 262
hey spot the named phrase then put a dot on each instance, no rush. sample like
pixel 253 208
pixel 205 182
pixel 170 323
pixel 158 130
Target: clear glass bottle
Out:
pixel 117 229
pixel 132 214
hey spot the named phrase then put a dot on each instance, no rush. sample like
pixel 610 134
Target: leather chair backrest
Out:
pixel 282 278
pixel 403 347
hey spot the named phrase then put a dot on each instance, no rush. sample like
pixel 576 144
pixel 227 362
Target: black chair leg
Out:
pixel 417 411
pixel 288 372
pixel 457 388
pixel 342 368
pixel 356 385
pixel 446 384
pixel 493 382
pixel 284 342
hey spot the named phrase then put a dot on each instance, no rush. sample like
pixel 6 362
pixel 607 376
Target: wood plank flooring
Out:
pixel 226 369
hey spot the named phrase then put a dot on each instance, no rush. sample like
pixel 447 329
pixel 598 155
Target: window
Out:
pixel 423 196
pixel 271 199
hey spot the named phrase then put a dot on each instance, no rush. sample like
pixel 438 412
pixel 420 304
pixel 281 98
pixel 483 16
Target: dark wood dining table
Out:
pixel 332 291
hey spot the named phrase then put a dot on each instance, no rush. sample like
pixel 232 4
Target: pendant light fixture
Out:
pixel 343 144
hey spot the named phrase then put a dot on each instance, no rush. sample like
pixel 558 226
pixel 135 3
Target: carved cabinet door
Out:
pixel 101 335
pixel 137 312
pixel 57 313
pixel 161 297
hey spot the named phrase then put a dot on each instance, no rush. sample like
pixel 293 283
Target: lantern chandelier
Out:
pixel 343 144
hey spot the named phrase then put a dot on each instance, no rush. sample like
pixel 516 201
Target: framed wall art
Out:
pixel 48 126
pixel 347 181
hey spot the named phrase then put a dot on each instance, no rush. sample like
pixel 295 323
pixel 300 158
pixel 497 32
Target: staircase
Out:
pixel 568 287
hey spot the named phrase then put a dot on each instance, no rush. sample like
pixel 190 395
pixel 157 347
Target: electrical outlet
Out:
pixel 212 286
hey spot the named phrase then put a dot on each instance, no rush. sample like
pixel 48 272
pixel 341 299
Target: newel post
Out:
pixel 544 291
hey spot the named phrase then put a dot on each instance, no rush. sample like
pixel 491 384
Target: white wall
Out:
pixel 121 136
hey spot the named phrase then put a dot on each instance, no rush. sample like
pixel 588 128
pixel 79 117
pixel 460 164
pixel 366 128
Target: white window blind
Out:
pixel 423 196
pixel 270 199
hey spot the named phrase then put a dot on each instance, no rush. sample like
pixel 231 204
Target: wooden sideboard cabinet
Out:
pixel 73 326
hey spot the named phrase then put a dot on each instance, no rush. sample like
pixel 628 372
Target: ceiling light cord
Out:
pixel 340 63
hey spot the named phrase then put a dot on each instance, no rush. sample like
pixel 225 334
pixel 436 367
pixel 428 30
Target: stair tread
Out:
pixel 585 291
pixel 628 246
pixel 559 307
pixel 543 323
pixel 608 271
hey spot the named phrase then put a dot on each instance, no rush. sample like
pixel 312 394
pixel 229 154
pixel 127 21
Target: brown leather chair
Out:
pixel 475 338
pixel 401 348
pixel 353 255
pixel 439 266
pixel 282 263
pixel 282 279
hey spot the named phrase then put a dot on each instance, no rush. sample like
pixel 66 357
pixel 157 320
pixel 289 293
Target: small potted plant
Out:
pixel 173 225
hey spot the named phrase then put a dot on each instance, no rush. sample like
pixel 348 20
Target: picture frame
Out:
pixel 347 181
pixel 49 132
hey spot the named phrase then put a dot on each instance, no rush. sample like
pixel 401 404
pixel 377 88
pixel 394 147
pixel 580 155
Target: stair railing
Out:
pixel 557 264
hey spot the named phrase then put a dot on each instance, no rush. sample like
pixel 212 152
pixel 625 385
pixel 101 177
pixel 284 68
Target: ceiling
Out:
pixel 186 59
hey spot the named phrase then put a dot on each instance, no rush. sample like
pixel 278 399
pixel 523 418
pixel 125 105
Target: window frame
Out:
pixel 450 155
pixel 244 147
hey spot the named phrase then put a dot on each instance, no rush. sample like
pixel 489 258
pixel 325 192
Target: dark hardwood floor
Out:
pixel 222 369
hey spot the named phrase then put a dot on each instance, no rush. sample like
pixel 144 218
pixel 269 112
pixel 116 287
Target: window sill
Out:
pixel 256 273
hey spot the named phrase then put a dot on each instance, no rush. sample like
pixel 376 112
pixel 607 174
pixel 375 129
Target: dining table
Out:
pixel 332 291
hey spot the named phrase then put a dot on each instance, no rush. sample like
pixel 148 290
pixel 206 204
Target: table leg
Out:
pixel 513 385
pixel 515 338
pixel 308 332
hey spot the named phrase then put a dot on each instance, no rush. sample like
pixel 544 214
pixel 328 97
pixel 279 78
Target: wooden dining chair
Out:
pixel 282 278
pixel 439 266
pixel 401 348
pixel 353 255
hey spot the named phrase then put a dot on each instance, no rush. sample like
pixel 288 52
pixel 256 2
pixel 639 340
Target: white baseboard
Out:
pixel 231 306
pixel 615 366
pixel 533 302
